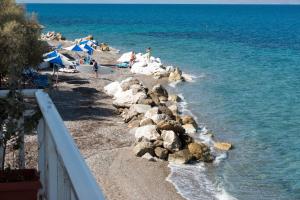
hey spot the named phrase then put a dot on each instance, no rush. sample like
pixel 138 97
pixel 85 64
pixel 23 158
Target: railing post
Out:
pixel 42 157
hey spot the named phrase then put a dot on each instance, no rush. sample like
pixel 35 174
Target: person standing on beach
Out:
pixel 132 58
pixel 148 54
pixel 95 68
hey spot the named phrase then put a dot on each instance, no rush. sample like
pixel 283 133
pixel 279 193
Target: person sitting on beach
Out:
pixel 132 58
pixel 148 54
pixel 95 68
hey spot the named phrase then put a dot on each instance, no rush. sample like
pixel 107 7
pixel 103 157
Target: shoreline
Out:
pixel 149 173
pixel 109 160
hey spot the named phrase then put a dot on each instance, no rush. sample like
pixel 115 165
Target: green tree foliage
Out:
pixel 19 42
pixel 20 47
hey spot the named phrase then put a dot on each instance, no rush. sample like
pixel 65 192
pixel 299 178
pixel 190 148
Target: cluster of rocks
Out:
pixel 51 35
pixel 153 67
pixel 160 131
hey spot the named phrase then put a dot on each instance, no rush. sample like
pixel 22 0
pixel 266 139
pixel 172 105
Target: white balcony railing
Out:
pixel 63 172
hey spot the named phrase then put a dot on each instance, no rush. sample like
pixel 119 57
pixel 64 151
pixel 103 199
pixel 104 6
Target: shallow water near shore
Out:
pixel 246 64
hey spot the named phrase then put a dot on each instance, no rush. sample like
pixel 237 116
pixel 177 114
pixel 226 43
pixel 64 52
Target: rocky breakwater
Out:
pixel 153 67
pixel 161 132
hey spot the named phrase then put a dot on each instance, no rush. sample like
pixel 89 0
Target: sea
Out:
pixel 245 63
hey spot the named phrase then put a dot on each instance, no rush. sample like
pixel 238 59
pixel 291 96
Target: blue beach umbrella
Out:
pixel 75 47
pixel 55 60
pixel 51 54
pixel 89 49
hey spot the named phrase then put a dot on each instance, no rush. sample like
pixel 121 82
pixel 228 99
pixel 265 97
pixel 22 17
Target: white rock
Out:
pixel 159 117
pixel 112 88
pixel 127 98
pixel 140 108
pixel 148 156
pixel 151 112
pixel 149 132
pixel 189 128
pixel 171 140
pixel 125 57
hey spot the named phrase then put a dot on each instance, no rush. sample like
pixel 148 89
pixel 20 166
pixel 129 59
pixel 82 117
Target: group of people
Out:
pixel 132 60
pixel 148 56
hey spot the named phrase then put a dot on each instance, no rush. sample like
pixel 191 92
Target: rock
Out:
pixel 157 118
pixel 126 98
pixel 142 148
pixel 140 108
pixel 146 121
pixel 154 98
pixel 151 112
pixel 112 88
pixel 148 157
pixel 161 153
pixel 134 123
pixel 181 157
pixel 200 151
pixel 167 111
pixel 158 143
pixel 223 146
pixel 128 115
pixel 185 139
pixel 171 125
pixel 187 119
pixel 175 76
pixel 174 98
pixel 171 140
pixel 147 101
pixel 149 132
pixel 104 47
pixel 161 74
pixel 170 69
pixel 162 99
pixel 159 90
pixel 127 83
pixel 174 109
pixel 137 88
pixel 189 128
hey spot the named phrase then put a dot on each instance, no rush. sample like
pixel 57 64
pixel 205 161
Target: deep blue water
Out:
pixel 247 60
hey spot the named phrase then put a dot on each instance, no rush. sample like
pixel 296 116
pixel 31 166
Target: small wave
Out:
pixel 192 78
pixel 173 84
pixel 223 195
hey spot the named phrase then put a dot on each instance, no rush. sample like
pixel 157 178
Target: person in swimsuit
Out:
pixel 95 68
pixel 132 58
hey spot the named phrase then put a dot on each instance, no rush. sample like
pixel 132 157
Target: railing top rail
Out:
pixel 82 180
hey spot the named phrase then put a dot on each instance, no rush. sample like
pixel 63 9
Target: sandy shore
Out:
pixel 104 139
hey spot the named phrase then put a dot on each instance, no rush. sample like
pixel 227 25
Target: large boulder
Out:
pixel 171 125
pixel 147 101
pixel 140 108
pixel 152 112
pixel 174 109
pixel 157 118
pixel 187 119
pixel 189 128
pixel 176 76
pixel 161 153
pixel 181 157
pixel 128 115
pixel 167 111
pixel 159 90
pixel 149 132
pixel 223 146
pixel 142 148
pixel 146 121
pixel 171 140
pixel 112 88
pixel 200 151
pixel 174 98
pixel 126 98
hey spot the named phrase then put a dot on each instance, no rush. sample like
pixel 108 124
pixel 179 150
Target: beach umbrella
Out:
pixel 75 47
pixel 55 60
pixel 51 54
pixel 89 49
pixel 88 42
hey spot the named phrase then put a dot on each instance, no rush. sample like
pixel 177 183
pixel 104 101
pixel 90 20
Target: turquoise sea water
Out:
pixel 247 63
